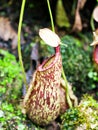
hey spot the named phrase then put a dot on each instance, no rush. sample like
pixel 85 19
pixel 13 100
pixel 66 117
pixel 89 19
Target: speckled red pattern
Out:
pixel 43 104
pixel 95 54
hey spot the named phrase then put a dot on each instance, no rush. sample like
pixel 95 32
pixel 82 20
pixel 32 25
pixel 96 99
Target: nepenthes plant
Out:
pixel 42 100
pixel 45 99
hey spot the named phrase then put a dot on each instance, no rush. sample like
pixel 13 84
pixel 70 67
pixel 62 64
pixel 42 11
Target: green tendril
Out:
pixel 51 17
pixel 19 44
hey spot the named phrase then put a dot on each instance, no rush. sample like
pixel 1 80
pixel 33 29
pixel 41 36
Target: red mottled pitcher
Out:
pixel 42 100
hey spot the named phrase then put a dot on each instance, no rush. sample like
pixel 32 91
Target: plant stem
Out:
pixel 63 74
pixel 19 44
pixel 92 23
pixel 51 17
pixel 66 89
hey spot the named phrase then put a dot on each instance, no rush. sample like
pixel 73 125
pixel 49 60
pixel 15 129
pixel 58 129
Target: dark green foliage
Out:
pixel 77 64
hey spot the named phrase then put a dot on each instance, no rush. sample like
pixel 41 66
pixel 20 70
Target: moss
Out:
pixel 84 116
pixel 10 76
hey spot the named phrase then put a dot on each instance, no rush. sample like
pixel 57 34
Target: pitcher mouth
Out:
pixel 48 63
